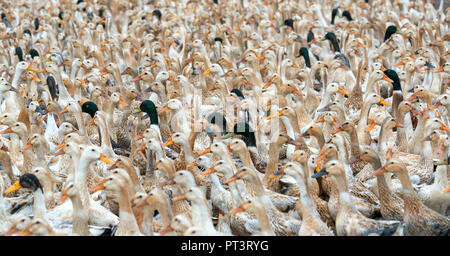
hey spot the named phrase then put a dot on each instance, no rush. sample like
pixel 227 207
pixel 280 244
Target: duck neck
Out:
pixel 81 171
pixel 272 165
pixel 188 155
pixel 201 215
pixel 165 211
pixel 127 219
pixel 263 220
pixel 317 133
pixel 354 142
pixel 39 208
pixel 244 155
pixel 106 139
pixel 80 217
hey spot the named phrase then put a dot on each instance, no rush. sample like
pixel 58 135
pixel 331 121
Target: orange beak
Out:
pixel 61 146
pixel 387 79
pixel 237 210
pixel 389 154
pixel 273 116
pixel 25 233
pixel 382 102
pixel 380 171
pixel 445 128
pixel 30 68
pixel 11 231
pixel 65 110
pixel 439 70
pixel 447 190
pixel 105 159
pixel 209 171
pixel 268 84
pixel 141 148
pixel 27 146
pixel 8 130
pixel 121 102
pixel 342 91
pixel 35 78
pixel 399 63
pixel 191 164
pixel 100 186
pixel 371 126
pixel 164 109
pixel 320 120
pixel 166 230
pixel 206 151
pixel 83 84
pixel 63 198
pixel 139 138
pixel 381 57
pixel 232 179
pixel 337 130
pixel 167 143
pixel 298 92
pixel 178 198
pixel 138 78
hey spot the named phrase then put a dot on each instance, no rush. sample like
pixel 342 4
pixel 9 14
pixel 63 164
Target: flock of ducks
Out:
pixel 224 117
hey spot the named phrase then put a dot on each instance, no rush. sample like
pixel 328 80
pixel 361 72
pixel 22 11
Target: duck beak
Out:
pixel 11 231
pixel 139 138
pixel 92 122
pixel 293 142
pixel 105 159
pixel 337 130
pixel 319 174
pixel 342 91
pixel 439 70
pixel 207 72
pixel 61 152
pixel 35 78
pixel 65 110
pixel 138 78
pixel 389 154
pixel 13 188
pixel 371 126
pixel 232 179
pixel 276 175
pixel 209 171
pixel 447 190
pixel 166 230
pixel 26 147
pixel 445 128
pixel 30 68
pixel 25 233
pixel 60 146
pixel 164 109
pixel 137 111
pixel 380 171
pixel 237 210
pixel 399 63
pixel 168 143
pixel 206 151
pixel 268 84
pixel 273 116
pixel 100 186
pixel 326 108
pixel 383 102
pixel 192 165
pixel 212 88
pixel 121 102
pixel 228 135
pixel 178 198
pixel 63 198
pixel 320 120
pixel 298 92
pixel 141 148
pixel 387 79
pixel 168 182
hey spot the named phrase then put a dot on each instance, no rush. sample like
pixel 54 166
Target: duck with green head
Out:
pixel 148 107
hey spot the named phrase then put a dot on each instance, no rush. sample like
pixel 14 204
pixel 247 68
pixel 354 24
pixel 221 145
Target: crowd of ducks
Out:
pixel 237 117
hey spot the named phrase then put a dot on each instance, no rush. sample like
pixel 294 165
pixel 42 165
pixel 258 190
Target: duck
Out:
pixel 347 210
pixel 418 218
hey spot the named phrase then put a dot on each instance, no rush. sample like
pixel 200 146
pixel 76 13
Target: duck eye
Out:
pixel 38 222
pixel 93 150
pixel 110 178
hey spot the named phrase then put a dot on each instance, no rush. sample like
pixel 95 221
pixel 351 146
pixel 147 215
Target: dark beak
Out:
pixel 322 172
